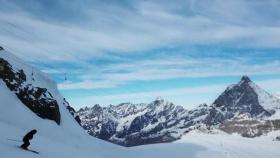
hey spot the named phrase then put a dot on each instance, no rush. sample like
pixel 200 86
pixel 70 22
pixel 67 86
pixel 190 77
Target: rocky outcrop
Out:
pixel 72 111
pixel 250 127
pixel 37 99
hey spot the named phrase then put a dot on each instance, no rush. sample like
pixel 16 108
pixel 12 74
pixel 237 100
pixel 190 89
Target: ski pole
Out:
pixel 14 140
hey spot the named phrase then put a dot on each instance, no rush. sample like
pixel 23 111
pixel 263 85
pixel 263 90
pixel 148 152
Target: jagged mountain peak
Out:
pixel 244 97
pixel 159 102
pixel 245 78
pixel 203 105
pixel 119 123
pixel 95 106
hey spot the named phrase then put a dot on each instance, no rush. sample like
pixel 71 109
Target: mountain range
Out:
pixel 242 108
pixel 30 100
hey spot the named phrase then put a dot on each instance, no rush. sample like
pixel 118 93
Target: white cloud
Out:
pixel 87 84
pixel 112 75
pixel 187 96
pixel 183 96
pixel 148 25
pixel 272 85
pixel 137 27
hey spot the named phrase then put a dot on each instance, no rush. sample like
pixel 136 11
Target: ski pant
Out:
pixel 25 144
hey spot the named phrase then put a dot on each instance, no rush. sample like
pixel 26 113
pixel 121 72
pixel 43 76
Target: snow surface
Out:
pixel 69 140
pixel 266 100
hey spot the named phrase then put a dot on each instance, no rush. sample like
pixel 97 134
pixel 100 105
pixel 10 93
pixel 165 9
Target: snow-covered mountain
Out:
pixel 30 100
pixel 247 109
pixel 26 84
pixel 162 121
pixel 32 87
pixel 247 97
pixel 134 124
pixel 68 139
pixel 243 99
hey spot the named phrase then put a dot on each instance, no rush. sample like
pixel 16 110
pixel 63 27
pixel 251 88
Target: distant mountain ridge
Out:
pixel 161 121
pixel 157 121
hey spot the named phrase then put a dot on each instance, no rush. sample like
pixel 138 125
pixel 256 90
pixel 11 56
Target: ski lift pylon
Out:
pixel 65 77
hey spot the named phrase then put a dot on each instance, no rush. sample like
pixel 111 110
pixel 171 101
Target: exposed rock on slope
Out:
pixel 135 124
pixel 72 111
pixel 250 127
pixel 37 99
pixel 241 98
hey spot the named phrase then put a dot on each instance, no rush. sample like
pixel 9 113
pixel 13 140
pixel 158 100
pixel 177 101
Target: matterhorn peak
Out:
pixel 245 79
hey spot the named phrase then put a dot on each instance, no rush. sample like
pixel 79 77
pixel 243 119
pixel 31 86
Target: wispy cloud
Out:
pixel 112 75
pixel 186 96
pixel 108 44
pixel 142 26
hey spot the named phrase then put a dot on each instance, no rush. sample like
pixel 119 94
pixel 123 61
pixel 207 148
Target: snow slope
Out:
pixel 65 140
pixel 53 141
pixel 234 146
pixel 267 100
pixel 69 140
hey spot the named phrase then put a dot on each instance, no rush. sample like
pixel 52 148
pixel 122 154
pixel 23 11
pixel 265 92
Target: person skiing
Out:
pixel 27 138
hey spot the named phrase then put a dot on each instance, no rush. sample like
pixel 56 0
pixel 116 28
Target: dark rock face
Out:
pixel 214 117
pixel 72 112
pixel 37 99
pixel 1 48
pixel 250 128
pixel 240 98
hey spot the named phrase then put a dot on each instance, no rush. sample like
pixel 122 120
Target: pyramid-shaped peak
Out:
pixel 245 79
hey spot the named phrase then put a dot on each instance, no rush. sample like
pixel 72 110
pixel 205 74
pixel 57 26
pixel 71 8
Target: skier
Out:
pixel 26 139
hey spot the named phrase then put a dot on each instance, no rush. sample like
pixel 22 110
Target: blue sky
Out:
pixel 186 51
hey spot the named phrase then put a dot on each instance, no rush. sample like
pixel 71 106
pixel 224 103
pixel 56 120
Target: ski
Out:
pixel 33 151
